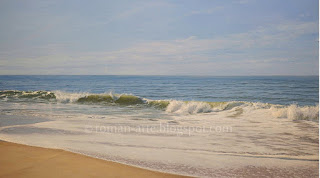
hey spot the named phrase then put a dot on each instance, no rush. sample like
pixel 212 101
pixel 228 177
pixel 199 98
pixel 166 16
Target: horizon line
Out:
pixel 316 75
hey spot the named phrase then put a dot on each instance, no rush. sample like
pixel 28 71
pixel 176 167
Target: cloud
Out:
pixel 207 11
pixel 135 10
pixel 239 53
pixel 271 36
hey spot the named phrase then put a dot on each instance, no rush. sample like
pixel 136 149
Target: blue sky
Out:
pixel 150 37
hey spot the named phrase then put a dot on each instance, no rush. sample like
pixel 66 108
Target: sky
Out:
pixel 159 37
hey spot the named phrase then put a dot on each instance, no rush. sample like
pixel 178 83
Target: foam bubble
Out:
pixel 295 112
pixel 191 107
pixel 292 112
pixel 66 97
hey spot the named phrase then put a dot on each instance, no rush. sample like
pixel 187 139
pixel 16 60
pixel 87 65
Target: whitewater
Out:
pixel 292 111
pixel 185 132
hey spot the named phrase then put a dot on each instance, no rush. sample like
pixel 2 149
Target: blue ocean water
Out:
pixel 302 90
pixel 144 120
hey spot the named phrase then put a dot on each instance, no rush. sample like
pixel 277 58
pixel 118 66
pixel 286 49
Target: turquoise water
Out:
pixel 275 89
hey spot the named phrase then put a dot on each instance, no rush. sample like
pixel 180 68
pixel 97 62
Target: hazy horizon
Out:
pixel 159 75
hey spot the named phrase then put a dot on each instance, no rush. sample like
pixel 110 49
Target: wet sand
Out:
pixel 18 160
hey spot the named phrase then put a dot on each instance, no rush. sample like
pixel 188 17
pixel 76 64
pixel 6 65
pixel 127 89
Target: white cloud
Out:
pixel 255 50
pixel 271 36
pixel 135 10
pixel 207 11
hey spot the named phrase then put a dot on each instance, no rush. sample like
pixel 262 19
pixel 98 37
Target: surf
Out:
pixel 293 111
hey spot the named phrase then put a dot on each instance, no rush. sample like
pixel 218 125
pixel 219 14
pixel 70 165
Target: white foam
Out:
pixel 191 145
pixel 188 107
pixel 66 97
pixel 114 96
pixel 295 112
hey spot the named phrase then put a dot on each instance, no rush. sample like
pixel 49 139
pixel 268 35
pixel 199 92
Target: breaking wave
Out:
pixel 65 97
pixel 188 107
pixel 293 111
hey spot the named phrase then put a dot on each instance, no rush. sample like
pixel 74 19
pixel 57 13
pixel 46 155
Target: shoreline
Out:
pixel 18 160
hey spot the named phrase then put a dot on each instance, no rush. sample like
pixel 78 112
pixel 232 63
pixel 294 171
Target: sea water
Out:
pixel 190 125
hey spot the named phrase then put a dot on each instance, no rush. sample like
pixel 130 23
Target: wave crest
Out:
pixel 295 112
pixel 122 99
pixel 292 112
pixel 190 107
pixel 66 97
pixel 27 94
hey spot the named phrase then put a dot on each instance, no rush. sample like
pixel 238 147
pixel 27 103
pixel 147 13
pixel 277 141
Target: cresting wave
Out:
pixel 65 97
pixel 293 111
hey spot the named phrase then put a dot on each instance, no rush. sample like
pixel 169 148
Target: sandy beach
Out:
pixel 18 160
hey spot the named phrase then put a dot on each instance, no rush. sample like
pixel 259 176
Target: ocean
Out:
pixel 275 89
pixel 189 125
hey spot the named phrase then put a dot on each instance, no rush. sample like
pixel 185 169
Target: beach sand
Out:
pixel 18 160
